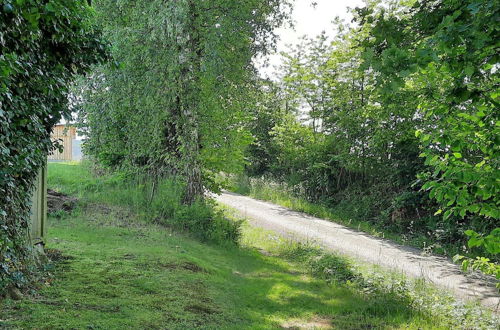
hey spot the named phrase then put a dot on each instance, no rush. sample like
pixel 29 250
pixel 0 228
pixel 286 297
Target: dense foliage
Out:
pixel 394 120
pixel 446 54
pixel 398 120
pixel 43 45
pixel 175 97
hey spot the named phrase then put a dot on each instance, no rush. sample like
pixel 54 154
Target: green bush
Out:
pixel 332 268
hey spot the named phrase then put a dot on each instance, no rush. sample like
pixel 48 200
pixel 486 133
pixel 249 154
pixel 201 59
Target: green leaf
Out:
pixel 470 233
pixel 480 164
pixel 475 241
pixel 469 70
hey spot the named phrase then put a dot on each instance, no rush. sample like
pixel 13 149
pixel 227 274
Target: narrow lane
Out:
pixel 334 237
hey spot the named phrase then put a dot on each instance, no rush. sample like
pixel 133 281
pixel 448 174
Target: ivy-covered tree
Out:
pixel 43 46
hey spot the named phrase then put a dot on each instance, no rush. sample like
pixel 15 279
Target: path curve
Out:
pixel 438 270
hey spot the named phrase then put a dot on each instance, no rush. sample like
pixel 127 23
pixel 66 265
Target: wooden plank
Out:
pixel 67 154
pixel 66 134
pixel 43 198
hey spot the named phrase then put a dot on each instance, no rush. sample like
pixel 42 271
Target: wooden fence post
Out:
pixel 39 209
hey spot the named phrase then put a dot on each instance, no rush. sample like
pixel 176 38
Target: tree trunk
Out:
pixel 190 131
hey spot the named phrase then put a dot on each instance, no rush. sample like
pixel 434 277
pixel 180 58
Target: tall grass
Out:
pixel 159 202
pixel 281 194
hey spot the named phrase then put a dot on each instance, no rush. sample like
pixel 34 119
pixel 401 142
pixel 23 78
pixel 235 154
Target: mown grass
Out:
pixel 371 281
pixel 116 268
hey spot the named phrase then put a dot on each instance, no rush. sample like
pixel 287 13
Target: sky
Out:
pixel 310 21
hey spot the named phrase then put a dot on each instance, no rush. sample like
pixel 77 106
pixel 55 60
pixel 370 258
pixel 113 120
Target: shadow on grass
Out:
pixel 121 272
pixel 282 295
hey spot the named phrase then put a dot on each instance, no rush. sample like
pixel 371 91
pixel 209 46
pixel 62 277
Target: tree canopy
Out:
pixel 394 119
pixel 176 97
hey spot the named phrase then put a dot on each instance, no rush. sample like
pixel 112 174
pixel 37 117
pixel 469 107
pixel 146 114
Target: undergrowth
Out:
pixel 159 202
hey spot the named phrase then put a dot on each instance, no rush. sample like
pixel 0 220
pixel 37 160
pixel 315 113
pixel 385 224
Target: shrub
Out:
pixel 332 268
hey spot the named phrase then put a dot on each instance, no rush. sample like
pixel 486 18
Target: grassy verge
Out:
pixel 376 283
pixel 113 266
pixel 159 202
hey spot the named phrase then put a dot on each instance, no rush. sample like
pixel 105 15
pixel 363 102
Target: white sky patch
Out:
pixel 310 21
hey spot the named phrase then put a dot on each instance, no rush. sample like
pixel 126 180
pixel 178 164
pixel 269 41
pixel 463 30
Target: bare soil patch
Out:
pixel 201 309
pixel 315 323
pixel 189 266
pixel 57 256
pixel 57 201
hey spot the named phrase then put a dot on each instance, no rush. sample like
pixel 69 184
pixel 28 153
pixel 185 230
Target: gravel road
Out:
pixel 331 236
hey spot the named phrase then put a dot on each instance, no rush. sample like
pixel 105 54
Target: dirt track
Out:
pixel 438 270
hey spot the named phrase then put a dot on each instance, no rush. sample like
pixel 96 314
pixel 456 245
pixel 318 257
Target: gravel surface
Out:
pixel 334 237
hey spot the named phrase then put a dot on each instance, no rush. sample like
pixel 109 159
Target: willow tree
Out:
pixel 175 98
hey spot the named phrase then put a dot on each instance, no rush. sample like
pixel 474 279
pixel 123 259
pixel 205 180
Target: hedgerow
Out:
pixel 44 44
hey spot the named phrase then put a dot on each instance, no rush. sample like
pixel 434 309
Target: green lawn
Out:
pixel 112 269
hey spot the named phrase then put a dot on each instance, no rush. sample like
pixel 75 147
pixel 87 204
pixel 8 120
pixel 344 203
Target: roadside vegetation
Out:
pixel 352 212
pixel 113 265
pixel 391 123
pixel 373 281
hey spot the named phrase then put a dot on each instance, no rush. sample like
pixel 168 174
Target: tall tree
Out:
pixel 179 92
